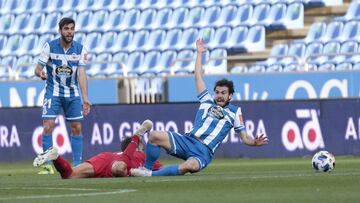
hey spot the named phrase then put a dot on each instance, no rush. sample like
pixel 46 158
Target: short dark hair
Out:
pixel 125 143
pixel 66 21
pixel 224 82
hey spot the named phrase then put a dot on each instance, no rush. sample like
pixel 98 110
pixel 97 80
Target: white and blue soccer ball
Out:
pixel 323 161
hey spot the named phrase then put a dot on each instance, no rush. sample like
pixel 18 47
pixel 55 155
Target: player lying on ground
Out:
pixel 214 120
pixel 106 164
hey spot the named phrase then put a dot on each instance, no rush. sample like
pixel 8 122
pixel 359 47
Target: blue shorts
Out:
pixel 186 147
pixel 72 107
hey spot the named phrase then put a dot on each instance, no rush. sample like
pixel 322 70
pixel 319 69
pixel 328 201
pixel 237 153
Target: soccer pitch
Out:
pixel 225 180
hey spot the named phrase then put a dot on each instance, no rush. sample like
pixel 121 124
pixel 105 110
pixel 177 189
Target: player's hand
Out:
pixel 200 46
pixel 43 75
pixel 86 107
pixel 261 140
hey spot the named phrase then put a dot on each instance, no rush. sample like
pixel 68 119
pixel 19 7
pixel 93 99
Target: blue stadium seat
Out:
pixel 184 67
pixel 333 31
pixel 50 25
pixel 19 24
pixel 36 22
pixel 221 37
pixel 3 41
pixel 123 40
pixel 28 44
pixel 139 40
pixel 188 39
pixel 164 63
pixel 92 41
pixel 12 45
pixel 163 16
pixel 71 14
pixel 21 6
pixel 353 12
pixel 351 48
pixel 277 14
pixel 151 59
pixel 193 18
pixel 107 42
pixel 116 67
pixel 9 6
pixel 316 31
pixel 83 20
pixel 41 41
pixel 237 38
pixel 294 16
pixel 25 67
pixel 6 23
pixel 79 37
pixel 326 63
pixel 130 19
pixel 350 32
pixel 216 66
pixel 40 6
pixel 293 64
pixel 211 15
pixel 207 34
pixel 134 62
pixel 178 17
pixel 70 5
pixel 274 61
pixel 113 21
pixel 156 39
pixel 97 20
pixel 112 5
pixel 312 49
pixel 260 15
pixel 227 16
pixel 6 67
pixel 98 65
pixel 244 15
pixel 147 16
pixel 255 41
pixel 173 36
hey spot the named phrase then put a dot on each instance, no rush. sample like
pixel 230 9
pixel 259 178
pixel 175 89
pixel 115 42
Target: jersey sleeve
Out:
pixel 239 122
pixel 204 96
pixel 44 54
pixel 83 57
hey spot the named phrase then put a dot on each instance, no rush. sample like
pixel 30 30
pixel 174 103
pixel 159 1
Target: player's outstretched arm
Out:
pixel 84 90
pixel 200 84
pixel 259 140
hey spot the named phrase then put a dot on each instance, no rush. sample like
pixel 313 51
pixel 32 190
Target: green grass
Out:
pixel 225 180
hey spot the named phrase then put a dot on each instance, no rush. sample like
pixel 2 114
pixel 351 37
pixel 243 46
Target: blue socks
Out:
pixel 172 170
pixel 46 142
pixel 152 154
pixel 77 149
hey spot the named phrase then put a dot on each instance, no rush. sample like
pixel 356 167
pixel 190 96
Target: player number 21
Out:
pixel 47 102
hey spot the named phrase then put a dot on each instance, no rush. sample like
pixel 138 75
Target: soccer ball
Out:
pixel 323 161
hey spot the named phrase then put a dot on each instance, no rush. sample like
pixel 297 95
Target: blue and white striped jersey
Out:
pixel 213 123
pixel 62 67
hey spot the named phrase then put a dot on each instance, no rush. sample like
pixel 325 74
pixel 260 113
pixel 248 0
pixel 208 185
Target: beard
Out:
pixel 66 38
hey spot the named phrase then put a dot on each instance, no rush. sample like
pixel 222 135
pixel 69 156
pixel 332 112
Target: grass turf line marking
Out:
pixel 67 195
pixel 49 188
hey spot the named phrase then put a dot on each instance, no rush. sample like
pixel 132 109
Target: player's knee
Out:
pixel 154 137
pixel 48 127
pixel 119 169
pixel 76 128
pixel 189 167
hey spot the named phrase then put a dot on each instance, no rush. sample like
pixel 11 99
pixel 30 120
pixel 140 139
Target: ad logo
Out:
pixel 60 137
pixel 309 137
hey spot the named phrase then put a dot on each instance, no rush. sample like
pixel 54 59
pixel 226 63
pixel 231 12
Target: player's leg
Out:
pixel 73 113
pixel 51 107
pixel 156 140
pixel 83 170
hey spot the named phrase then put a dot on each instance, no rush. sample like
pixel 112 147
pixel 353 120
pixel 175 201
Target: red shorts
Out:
pixel 102 163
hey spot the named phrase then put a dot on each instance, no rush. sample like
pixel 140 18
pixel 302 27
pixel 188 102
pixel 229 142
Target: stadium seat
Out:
pixel 41 42
pixel 98 65
pixel 29 42
pixel 3 41
pixel 83 20
pixel 20 6
pixel 207 34
pixel 333 31
pixel 147 16
pixel 188 39
pixel 255 41
pixel 113 21
pixel 35 23
pixel 260 15
pixel 221 37
pixel 79 37
pixel 7 66
pixel 316 31
pixel 92 41
pixel 107 42
pixel 19 24
pixel 193 18
pixel 351 49
pixel 156 39
pixel 236 40
pixel 210 16
pixel 134 62
pixel 216 66
pixel 25 67
pixel 139 40
pixel 130 19
pixel 123 40
pixel 243 15
pixel 297 50
pixel 163 16
pixel 227 16
pixel 6 23
pixel 294 16
pixel 345 66
pixel 350 32
pixel 151 59
pixel 178 17
pixel 186 65
pixel 70 5
pixel 116 67
pixel 10 6
pixel 173 36
pixel 163 66
pixel 353 12
pixel 12 45
pixel 313 49
pixel 50 25
pixel 84 6
pixel 97 20
pixel 277 54
pixel 277 14
pixel 71 14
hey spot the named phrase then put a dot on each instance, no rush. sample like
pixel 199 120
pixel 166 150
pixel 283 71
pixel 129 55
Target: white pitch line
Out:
pixel 67 195
pixel 49 188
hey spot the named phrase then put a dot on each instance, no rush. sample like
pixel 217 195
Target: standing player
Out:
pixel 213 121
pixel 65 71
pixel 106 164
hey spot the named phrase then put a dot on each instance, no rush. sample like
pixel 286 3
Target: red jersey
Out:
pixel 102 162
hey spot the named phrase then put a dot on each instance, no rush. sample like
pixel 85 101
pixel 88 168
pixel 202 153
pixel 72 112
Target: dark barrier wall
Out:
pixel 294 128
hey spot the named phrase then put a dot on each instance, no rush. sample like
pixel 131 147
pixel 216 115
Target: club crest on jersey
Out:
pixel 64 70
pixel 216 112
